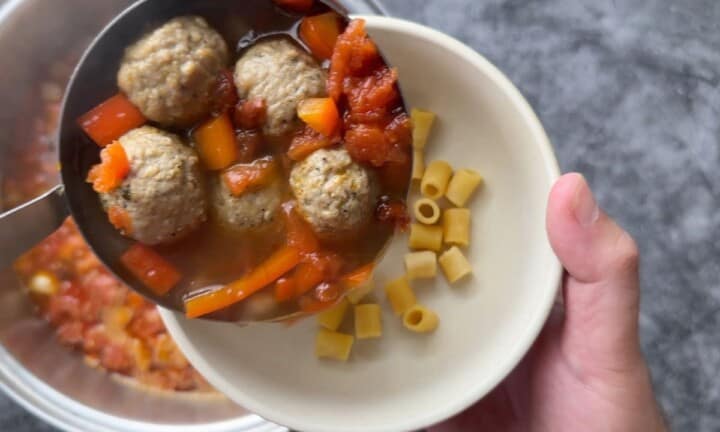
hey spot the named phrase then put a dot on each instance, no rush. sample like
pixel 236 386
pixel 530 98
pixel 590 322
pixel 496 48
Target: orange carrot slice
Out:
pixel 263 275
pixel 215 143
pixel 320 32
pixel 321 114
pixel 113 168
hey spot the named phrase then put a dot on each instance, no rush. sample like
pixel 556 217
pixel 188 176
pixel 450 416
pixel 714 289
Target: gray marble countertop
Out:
pixel 629 92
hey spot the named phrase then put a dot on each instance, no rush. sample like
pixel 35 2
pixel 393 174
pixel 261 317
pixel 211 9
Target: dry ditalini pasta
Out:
pixel 421 265
pixel 420 319
pixel 333 345
pixel 462 186
pixel 426 211
pixel 426 237
pixel 400 295
pixel 435 180
pixel 454 264
pixel 332 318
pixel 456 226
pixel 368 321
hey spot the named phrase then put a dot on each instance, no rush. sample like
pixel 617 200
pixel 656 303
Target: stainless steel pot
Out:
pixel 41 375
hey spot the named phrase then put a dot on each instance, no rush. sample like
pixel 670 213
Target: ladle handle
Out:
pixel 24 227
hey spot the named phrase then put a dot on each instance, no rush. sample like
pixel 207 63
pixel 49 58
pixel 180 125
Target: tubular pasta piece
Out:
pixel 420 319
pixel 421 265
pixel 426 211
pixel 454 264
pixel 456 227
pixel 462 186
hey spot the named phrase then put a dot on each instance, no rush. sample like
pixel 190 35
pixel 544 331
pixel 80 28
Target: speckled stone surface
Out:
pixel 629 92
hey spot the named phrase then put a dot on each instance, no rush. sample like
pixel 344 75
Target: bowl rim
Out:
pixel 534 325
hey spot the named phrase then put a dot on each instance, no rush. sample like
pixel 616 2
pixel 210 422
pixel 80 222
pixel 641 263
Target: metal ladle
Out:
pixel 94 80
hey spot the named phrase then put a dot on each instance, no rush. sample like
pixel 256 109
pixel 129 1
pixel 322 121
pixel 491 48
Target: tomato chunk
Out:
pixel 120 219
pixel 111 119
pixel 306 142
pixel 299 233
pixel 251 114
pixel 224 95
pixel 215 143
pixel 354 55
pixel 243 177
pixel 320 32
pixel 393 212
pixel 113 168
pixel 151 269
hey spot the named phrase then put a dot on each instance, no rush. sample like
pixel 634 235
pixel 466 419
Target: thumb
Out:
pixel 601 293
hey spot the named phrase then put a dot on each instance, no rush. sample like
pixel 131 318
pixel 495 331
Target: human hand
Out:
pixel 586 371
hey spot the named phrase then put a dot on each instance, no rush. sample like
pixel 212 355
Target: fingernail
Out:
pixel 586 208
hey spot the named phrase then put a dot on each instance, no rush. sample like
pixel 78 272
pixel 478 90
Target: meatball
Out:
pixel 170 74
pixel 163 194
pixel 283 74
pixel 335 194
pixel 253 209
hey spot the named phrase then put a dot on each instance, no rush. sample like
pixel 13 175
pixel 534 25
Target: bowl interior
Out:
pixel 405 381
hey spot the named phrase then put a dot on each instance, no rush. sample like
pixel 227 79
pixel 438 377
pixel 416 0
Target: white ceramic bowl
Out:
pixel 406 381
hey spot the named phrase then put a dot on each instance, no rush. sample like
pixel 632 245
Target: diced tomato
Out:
pixel 306 142
pixel 392 212
pixel 320 32
pixel 354 54
pixel 399 131
pixel 321 114
pixel 249 143
pixel 113 168
pixel 215 143
pixel 375 91
pixel 285 289
pixel 244 177
pixel 251 114
pixel 112 119
pixel 120 219
pixel 395 176
pixel 151 269
pixel 224 95
pixel 296 5
pixel 299 233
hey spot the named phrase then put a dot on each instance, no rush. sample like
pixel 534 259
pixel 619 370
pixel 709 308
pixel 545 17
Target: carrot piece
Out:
pixel 263 275
pixel 320 114
pixel 111 119
pixel 239 178
pixel 215 143
pixel 299 234
pixel 120 219
pixel 307 142
pixel 358 276
pixel 296 5
pixel 113 168
pixel 320 32
pixel 284 289
pixel 151 269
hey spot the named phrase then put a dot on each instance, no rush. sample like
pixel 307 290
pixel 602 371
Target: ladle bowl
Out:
pixel 94 80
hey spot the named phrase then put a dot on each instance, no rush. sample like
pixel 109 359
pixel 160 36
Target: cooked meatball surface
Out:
pixel 163 194
pixel 335 194
pixel 170 73
pixel 253 209
pixel 283 74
